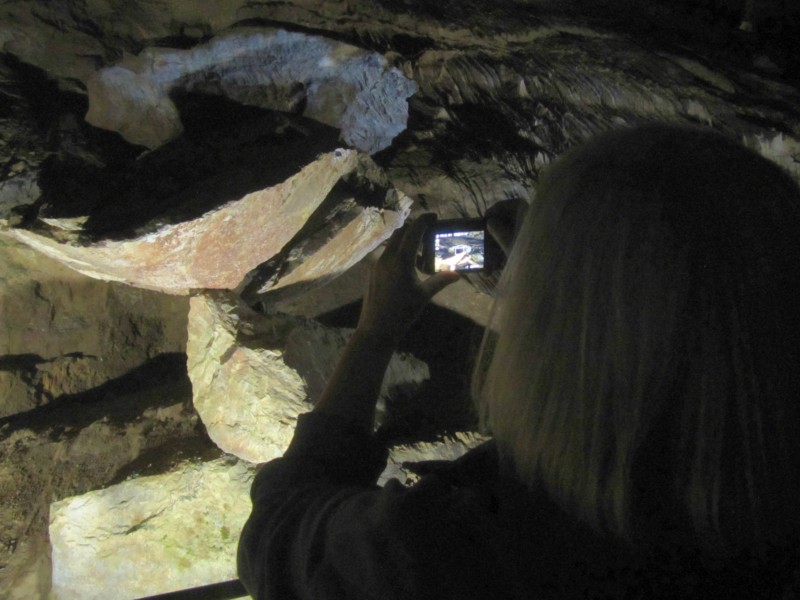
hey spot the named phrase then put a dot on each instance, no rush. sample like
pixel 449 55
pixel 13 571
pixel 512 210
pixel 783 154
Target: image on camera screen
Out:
pixel 458 251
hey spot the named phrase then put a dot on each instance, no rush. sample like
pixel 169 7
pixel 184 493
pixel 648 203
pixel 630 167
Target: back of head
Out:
pixel 644 347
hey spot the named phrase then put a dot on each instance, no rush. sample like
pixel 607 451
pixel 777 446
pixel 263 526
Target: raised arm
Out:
pixel 393 300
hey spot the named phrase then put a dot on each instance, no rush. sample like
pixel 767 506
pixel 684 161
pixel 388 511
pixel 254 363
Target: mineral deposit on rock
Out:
pixel 151 535
pixel 335 83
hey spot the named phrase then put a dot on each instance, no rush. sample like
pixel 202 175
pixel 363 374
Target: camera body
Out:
pixel 459 245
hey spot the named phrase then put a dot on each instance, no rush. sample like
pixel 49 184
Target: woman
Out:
pixel 639 377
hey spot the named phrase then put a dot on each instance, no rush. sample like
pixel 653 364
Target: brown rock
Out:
pixel 252 375
pixel 64 333
pixel 213 251
pixel 68 448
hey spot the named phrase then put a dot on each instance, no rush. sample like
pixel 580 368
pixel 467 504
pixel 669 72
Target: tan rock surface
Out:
pixel 66 449
pixel 252 375
pixel 176 530
pixel 368 230
pixel 151 535
pixel 213 251
pixel 64 333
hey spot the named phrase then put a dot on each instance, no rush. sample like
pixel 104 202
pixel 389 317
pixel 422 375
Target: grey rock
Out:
pixel 16 192
pixel 335 83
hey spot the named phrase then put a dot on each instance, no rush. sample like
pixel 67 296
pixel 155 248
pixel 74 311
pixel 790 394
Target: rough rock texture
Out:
pixel 367 230
pixel 501 92
pixel 138 422
pixel 402 457
pixel 253 375
pixel 213 251
pixel 151 535
pixel 502 89
pixel 176 530
pixel 62 333
pixel 328 81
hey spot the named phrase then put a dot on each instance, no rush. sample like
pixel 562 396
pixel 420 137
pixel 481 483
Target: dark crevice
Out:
pixel 226 151
pixel 260 22
pixel 20 362
pixel 182 41
pixel 708 28
pixel 24 362
pixel 47 102
pixel 161 459
pixel 119 400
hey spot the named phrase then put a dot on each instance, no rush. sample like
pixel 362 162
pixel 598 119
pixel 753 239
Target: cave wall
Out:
pixel 253 156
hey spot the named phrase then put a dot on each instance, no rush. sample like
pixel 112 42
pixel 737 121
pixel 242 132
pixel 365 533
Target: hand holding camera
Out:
pixel 396 295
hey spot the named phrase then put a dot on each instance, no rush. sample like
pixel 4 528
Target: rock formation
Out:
pixel 253 375
pixel 215 250
pixel 142 421
pixel 249 159
pixel 65 334
pixel 153 534
pixel 337 84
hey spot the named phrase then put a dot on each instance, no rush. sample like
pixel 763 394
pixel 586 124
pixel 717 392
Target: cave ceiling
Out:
pixel 129 122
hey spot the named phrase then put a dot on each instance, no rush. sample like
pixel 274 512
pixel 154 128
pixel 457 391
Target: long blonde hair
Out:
pixel 646 336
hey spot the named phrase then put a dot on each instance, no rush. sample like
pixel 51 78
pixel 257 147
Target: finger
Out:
pixel 413 237
pixel 393 244
pixel 436 283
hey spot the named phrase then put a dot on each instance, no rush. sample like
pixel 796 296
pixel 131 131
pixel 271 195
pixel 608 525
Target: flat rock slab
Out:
pixel 151 535
pixel 85 443
pixel 174 531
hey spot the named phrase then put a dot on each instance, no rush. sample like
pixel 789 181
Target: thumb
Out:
pixel 436 283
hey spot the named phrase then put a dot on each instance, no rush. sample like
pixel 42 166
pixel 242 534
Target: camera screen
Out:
pixel 458 250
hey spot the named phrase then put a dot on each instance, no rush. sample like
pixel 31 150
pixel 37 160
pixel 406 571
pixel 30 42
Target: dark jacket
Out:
pixel 322 529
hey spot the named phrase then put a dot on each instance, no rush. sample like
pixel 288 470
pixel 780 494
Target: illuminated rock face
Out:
pixel 151 534
pixel 142 421
pixel 253 375
pixel 63 333
pixel 177 530
pixel 499 94
pixel 325 80
pixel 214 251
pixel 368 228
